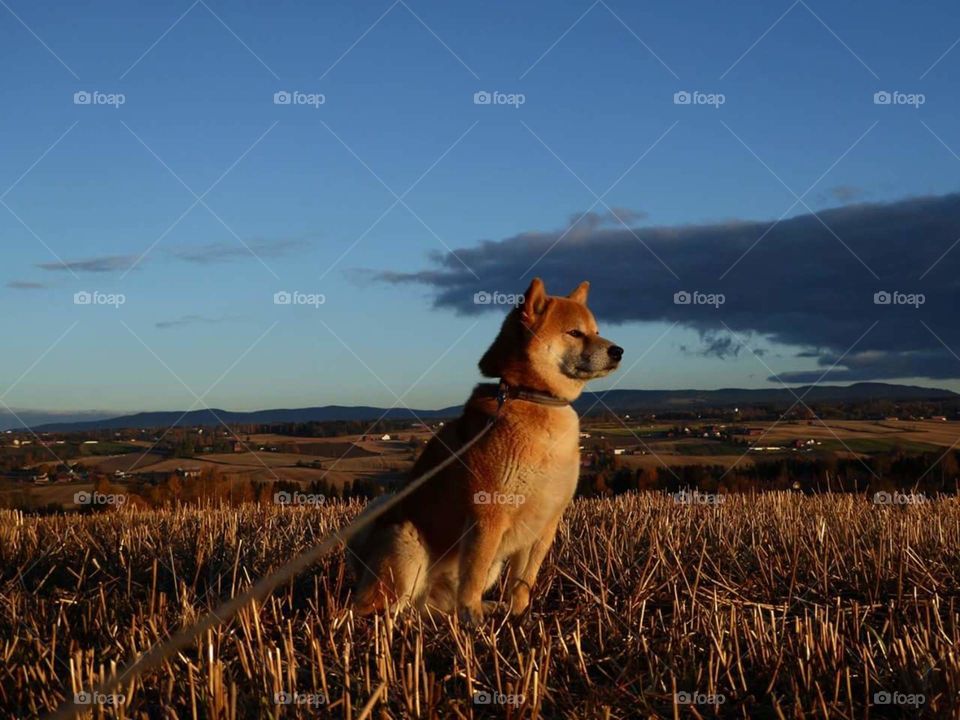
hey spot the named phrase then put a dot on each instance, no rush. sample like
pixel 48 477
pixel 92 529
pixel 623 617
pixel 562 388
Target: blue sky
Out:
pixel 293 196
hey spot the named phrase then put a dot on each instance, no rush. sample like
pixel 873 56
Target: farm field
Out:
pixel 336 460
pixel 846 437
pixel 761 606
pixel 345 459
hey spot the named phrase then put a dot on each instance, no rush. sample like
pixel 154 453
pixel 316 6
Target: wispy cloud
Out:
pixel 106 264
pixel 192 320
pixel 26 285
pixel 846 193
pixel 211 253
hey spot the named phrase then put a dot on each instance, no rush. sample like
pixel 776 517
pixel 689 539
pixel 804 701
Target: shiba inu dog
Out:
pixel 499 503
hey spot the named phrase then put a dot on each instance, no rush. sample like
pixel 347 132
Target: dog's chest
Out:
pixel 543 463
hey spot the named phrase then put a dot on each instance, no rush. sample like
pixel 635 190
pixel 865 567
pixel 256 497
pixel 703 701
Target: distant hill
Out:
pixel 18 417
pixel 617 400
pixel 680 400
pixel 213 417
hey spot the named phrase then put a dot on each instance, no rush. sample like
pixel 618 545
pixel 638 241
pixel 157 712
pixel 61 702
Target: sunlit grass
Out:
pixel 787 606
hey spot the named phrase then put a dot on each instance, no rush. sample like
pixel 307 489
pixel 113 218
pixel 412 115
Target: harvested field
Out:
pixel 776 605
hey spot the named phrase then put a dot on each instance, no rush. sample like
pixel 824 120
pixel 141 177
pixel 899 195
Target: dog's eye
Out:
pixel 576 334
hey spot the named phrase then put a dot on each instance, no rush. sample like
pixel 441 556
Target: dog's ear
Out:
pixel 516 328
pixel 534 301
pixel 580 294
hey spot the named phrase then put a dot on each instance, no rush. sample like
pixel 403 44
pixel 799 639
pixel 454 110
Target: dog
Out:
pixel 500 503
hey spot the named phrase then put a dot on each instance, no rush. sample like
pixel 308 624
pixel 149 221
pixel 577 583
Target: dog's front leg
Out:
pixel 480 547
pixel 522 584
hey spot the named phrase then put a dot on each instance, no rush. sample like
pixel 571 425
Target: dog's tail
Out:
pixel 356 544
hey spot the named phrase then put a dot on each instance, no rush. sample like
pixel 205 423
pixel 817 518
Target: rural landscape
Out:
pixel 418 360
pixel 857 439
pixel 735 561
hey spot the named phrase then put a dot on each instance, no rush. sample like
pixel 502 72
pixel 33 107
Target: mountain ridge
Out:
pixel 616 400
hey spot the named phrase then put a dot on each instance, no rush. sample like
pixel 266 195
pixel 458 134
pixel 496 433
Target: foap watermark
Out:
pixel 98 498
pixel 297 498
pixel 96 297
pixel 483 97
pixel 885 697
pixel 296 698
pixel 699 698
pixel 299 298
pixel 895 297
pixel 895 97
pixel 695 497
pixel 695 97
pixel 498 498
pixel 898 498
pixel 99 698
pixel 497 298
pixel 296 97
pixel 695 297
pixel 95 97
pixel 492 697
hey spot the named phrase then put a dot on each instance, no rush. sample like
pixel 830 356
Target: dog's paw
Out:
pixel 522 618
pixel 520 601
pixel 471 617
pixel 494 607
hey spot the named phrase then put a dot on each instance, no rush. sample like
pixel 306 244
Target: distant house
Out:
pixel 238 447
pixel 939 418
pixel 385 437
pixel 41 479
pixel 189 473
pixel 584 435
pixel 619 451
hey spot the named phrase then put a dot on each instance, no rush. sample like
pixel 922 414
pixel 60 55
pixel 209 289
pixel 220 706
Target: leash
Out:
pixel 262 589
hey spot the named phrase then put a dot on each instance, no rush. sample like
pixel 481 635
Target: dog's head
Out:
pixel 551 343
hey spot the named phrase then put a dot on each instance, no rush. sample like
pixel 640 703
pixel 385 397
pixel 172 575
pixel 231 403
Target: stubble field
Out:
pixel 762 606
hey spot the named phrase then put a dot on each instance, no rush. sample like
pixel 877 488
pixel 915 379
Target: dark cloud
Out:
pixel 26 285
pixel 225 252
pixel 809 282
pixel 111 263
pixel 720 345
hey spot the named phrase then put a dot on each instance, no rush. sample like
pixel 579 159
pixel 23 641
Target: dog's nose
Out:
pixel 615 351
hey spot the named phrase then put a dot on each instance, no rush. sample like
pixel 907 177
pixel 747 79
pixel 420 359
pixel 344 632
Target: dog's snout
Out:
pixel 615 352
